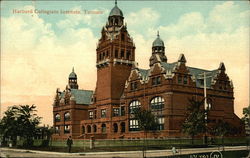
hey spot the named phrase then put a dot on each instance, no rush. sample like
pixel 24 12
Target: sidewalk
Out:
pixel 149 153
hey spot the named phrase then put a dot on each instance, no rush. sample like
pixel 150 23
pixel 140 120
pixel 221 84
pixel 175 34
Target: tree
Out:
pixel 221 128
pixel 146 121
pixel 246 119
pixel 195 120
pixel 19 121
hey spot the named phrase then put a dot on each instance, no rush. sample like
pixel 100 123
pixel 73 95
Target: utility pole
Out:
pixel 205 107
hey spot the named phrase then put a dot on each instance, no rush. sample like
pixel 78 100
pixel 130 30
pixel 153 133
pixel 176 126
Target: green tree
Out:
pixel 20 121
pixel 221 129
pixel 246 118
pixel 146 121
pixel 194 123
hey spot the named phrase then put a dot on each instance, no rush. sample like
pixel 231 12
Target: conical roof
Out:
pixel 73 75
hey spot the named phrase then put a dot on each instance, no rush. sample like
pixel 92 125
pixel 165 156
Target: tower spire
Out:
pixel 73 69
pixel 116 2
pixel 158 34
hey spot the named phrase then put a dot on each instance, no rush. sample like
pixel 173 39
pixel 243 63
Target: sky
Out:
pixel 38 50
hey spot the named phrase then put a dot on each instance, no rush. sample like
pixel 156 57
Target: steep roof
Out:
pixel 81 96
pixel 197 73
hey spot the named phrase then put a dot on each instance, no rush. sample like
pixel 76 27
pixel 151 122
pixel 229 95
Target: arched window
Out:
pixel 83 129
pixel 103 128
pixel 57 118
pixel 123 127
pixel 89 129
pixel 115 127
pixel 157 103
pixel 94 128
pixel 67 116
pixel 134 104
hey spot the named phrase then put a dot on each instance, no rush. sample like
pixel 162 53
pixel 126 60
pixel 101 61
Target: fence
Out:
pixel 138 143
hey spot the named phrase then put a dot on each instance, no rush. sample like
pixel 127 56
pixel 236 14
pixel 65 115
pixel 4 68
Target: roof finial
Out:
pixel 158 34
pixel 73 69
pixel 116 2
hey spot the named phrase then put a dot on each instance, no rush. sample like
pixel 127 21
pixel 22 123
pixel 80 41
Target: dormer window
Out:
pixel 156 80
pixel 133 86
pixel 185 80
pixel 179 79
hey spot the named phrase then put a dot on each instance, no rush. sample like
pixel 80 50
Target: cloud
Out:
pixel 35 60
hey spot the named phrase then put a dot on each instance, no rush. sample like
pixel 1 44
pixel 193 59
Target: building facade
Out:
pixel 165 89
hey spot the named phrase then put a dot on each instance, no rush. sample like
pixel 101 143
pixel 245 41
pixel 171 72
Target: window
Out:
pixel 57 129
pixel 157 103
pixel 134 104
pixel 122 37
pixel 57 118
pixel 89 129
pixel 67 116
pixel 122 111
pixel 156 80
pixel 116 53
pixel 133 85
pixel 179 79
pixel 161 121
pixel 83 129
pixel 103 113
pixel 94 128
pixel 122 53
pixel 116 112
pixel 115 127
pixel 133 125
pixel 66 129
pixel 128 54
pixel 103 128
pixel 91 114
pixel 185 80
pixel 100 56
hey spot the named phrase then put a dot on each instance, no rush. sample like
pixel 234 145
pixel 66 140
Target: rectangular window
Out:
pixel 122 110
pixel 128 54
pixel 57 129
pixel 158 80
pixel 133 125
pixel 122 53
pixel 66 129
pixel 116 112
pixel 133 86
pixel 185 80
pixel 179 79
pixel 91 114
pixel 161 121
pixel 103 113
pixel 116 53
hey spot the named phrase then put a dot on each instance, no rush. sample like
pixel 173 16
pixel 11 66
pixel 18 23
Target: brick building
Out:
pixel 164 88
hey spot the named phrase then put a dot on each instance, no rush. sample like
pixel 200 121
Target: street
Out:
pixel 10 152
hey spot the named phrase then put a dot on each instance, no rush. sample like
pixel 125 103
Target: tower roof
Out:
pixel 116 11
pixel 73 75
pixel 158 42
